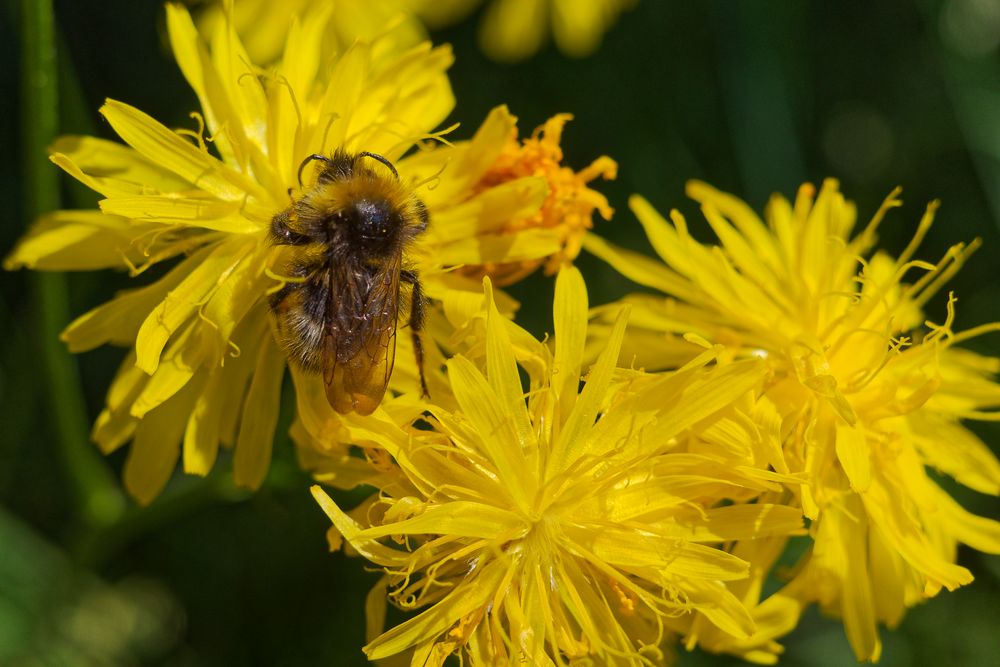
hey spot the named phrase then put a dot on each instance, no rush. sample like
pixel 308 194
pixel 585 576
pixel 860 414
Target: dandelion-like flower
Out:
pixel 263 25
pixel 868 402
pixel 205 369
pixel 501 207
pixel 513 30
pixel 529 209
pixel 561 524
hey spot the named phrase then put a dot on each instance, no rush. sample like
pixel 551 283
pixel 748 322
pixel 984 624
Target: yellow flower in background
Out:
pixel 263 25
pixel 513 30
pixel 867 400
pixel 510 30
pixel 561 524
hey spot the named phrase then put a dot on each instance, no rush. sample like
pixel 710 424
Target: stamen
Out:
pixel 925 224
pixel 866 237
pixel 975 332
pixel 433 180
pixel 333 117
pixel 937 331
pixel 283 280
pixel 418 139
pixel 282 80
pixel 198 135
pixel 931 283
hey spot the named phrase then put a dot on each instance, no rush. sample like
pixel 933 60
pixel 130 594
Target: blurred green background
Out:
pixel 754 97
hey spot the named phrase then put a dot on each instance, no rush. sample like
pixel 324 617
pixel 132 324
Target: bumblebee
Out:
pixel 337 313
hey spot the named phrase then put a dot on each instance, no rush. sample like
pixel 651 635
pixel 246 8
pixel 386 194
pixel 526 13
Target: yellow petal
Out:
pixel 574 439
pixel 176 369
pixel 966 458
pixel 153 455
pixel 769 277
pixel 183 301
pixel 462 165
pixel 731 436
pixel 886 511
pixel 502 371
pixel 187 47
pixel 474 593
pixel 412 90
pixel 683 398
pixel 669 242
pixel 375 609
pixel 500 248
pixel 459 518
pixel 719 606
pixel 857 604
pixel 579 26
pixel 260 416
pixel 201 212
pixel 854 455
pixel 242 88
pixel 75 241
pixel 631 549
pixel 109 186
pixel 115 425
pixel 637 267
pixel 569 314
pixel 742 216
pixel 980 533
pixel 893 575
pixel 157 143
pixel 491 211
pixel 201 435
pixel 348 527
pixel 300 64
pixel 512 30
pixel 741 522
pixel 484 410
pixel 110 162
pixel 221 89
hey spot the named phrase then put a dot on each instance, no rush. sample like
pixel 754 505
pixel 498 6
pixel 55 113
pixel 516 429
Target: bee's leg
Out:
pixel 416 324
pixel 282 233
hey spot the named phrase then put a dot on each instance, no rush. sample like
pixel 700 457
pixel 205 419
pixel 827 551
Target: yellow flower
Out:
pixel 868 400
pixel 560 524
pixel 263 25
pixel 513 30
pixel 526 208
pixel 510 31
pixel 205 368
pixel 499 207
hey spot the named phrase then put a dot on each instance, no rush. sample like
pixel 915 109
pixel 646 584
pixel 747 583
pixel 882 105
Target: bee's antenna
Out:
pixel 376 156
pixel 311 158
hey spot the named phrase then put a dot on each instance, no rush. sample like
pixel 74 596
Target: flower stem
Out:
pixel 96 496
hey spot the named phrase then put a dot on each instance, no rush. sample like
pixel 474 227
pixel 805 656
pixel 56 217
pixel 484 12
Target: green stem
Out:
pixel 95 492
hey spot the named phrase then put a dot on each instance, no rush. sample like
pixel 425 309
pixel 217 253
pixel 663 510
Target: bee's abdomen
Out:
pixel 300 314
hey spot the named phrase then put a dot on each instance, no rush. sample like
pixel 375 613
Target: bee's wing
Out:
pixel 360 340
